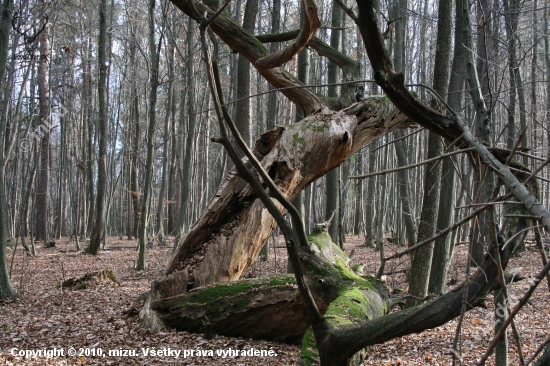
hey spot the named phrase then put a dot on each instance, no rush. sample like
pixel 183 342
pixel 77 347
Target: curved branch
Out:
pixel 347 64
pixel 311 24
pixel 241 41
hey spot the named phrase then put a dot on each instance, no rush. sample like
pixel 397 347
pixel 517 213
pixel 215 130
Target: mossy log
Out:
pixel 272 308
pixel 266 308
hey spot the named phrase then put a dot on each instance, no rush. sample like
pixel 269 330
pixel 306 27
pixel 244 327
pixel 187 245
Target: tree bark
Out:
pixel 162 199
pixel 270 308
pixel 99 228
pixel 43 184
pixel 234 226
pixel 187 152
pixel 422 259
pixel 272 98
pixel 6 288
pixel 243 75
pixel 151 122
pixel 444 246
pixel 333 177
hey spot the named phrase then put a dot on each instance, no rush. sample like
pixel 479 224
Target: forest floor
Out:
pixel 98 317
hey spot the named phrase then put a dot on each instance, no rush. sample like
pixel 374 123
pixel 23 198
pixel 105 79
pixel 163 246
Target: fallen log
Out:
pixel 270 308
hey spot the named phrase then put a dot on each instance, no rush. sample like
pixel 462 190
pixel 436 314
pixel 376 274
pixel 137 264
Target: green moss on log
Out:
pixel 352 306
pixel 221 290
pixel 357 298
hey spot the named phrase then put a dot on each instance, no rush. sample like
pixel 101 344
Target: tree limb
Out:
pixel 310 26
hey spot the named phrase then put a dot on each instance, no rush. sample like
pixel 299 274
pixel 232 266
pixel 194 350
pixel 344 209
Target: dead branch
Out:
pixel 310 26
pixel 442 232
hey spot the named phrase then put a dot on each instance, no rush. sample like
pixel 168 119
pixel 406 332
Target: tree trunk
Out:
pixel 234 226
pixel 403 175
pixel 43 187
pixel 422 259
pixel 190 139
pixel 272 98
pixel 99 228
pixel 243 75
pixel 6 288
pixel 369 205
pixel 166 141
pixel 269 308
pixel 147 184
pixel 444 247
pixel 333 177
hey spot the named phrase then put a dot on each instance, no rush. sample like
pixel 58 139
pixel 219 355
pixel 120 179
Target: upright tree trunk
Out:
pixel 136 192
pixel 357 219
pixel 369 211
pixel 422 258
pixel 511 16
pixel 147 184
pixel 482 187
pixel 162 194
pixel 43 187
pixel 174 164
pixel 99 228
pixel 381 224
pixel 189 139
pixel 243 75
pixel 6 288
pixel 402 175
pixel 333 177
pixel 272 98
pixel 444 247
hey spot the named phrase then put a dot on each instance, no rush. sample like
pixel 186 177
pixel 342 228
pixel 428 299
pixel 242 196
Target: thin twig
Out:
pixel 517 234
pixel 441 233
pixel 410 166
pixel 395 140
pixel 523 216
pixel 488 203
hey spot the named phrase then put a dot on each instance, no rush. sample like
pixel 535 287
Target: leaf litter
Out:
pixel 104 314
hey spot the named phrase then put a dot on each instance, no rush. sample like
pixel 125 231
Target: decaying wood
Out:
pixel 90 279
pixel 230 233
pixel 272 308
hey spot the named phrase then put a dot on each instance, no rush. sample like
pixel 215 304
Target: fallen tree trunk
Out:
pixel 268 308
pixel 272 308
